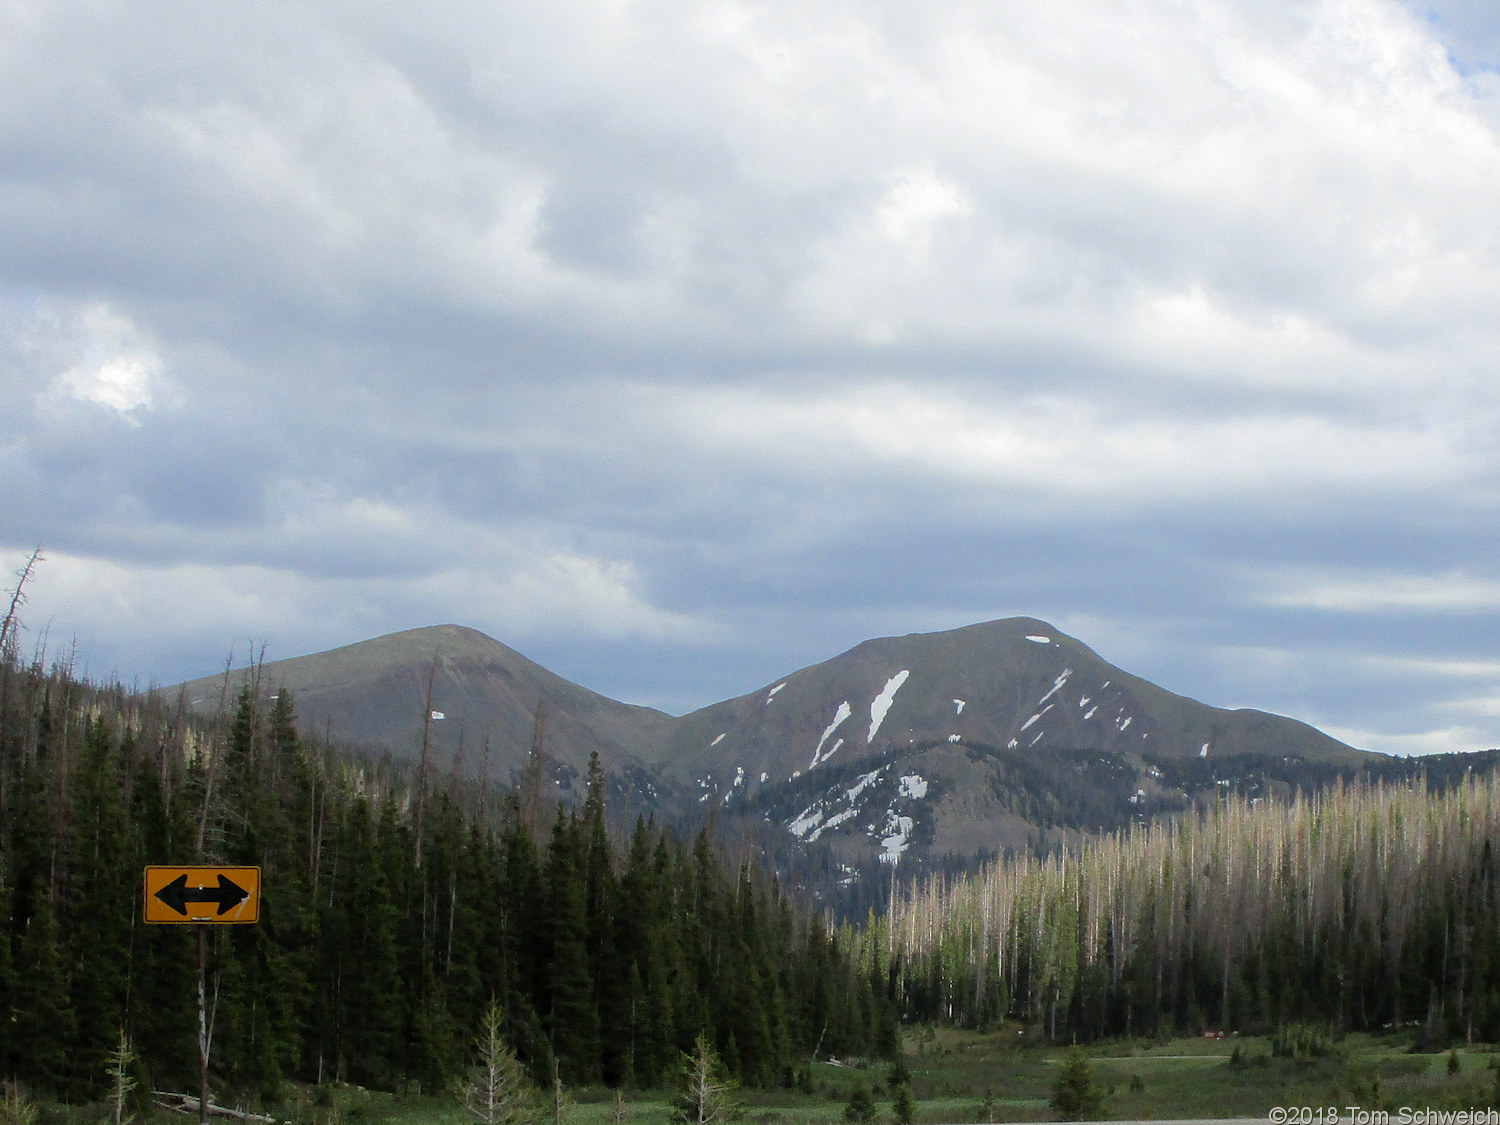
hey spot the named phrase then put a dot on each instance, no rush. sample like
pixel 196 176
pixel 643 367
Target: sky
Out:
pixel 681 345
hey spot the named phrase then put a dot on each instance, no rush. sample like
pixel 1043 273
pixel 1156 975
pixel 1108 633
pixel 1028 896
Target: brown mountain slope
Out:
pixel 1017 683
pixel 374 693
pixel 966 740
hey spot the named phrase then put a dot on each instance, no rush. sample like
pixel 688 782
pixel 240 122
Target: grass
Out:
pixel 963 1077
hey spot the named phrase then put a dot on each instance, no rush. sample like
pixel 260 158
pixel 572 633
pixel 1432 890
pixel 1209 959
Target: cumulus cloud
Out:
pixel 87 353
pixel 197 613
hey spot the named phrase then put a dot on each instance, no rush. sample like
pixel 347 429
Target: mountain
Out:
pixel 1017 683
pixel 375 694
pixel 1004 734
pixel 976 739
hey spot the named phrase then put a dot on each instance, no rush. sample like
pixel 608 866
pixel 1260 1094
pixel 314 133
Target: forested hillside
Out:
pixel 1361 907
pixel 390 916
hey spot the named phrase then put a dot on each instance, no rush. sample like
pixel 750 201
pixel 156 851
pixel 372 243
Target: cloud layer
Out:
pixel 683 344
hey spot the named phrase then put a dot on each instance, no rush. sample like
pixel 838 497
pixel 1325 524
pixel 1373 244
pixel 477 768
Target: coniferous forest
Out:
pixel 1360 908
pixel 391 917
pixel 397 915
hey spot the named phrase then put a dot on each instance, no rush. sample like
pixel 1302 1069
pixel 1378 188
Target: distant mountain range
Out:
pixel 1005 734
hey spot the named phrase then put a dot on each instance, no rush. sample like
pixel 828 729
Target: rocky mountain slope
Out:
pixel 998 735
pixel 979 738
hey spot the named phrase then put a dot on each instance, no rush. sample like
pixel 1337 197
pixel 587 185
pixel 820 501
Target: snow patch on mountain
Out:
pixel 839 716
pixel 959 704
pixel 835 820
pixel 861 785
pixel 913 785
pixel 898 838
pixel 772 693
pixel 1057 685
pixel 1037 716
pixel 882 702
pixel 806 821
pixel 1039 640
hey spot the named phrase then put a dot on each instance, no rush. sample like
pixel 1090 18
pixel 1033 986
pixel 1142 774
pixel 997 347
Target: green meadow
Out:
pixel 961 1077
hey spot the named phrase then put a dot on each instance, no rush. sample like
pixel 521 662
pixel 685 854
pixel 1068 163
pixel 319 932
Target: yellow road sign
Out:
pixel 196 895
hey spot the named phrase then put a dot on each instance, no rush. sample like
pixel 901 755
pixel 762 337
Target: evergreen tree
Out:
pixel 1075 1094
pixel 899 1074
pixel 122 1080
pixel 365 967
pixel 572 1019
pixel 903 1106
pixel 705 1094
pixel 496 1090
pixel 860 1108
pixel 44 1021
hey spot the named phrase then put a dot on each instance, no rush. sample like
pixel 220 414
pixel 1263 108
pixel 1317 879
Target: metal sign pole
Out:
pixel 202 1034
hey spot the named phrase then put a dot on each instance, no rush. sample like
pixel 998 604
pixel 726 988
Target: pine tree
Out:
pixel 16 1106
pixel 899 1075
pixel 363 968
pixel 122 1081
pixel 44 1020
pixel 1075 1094
pixel 903 1106
pixel 860 1108
pixel 705 1094
pixel 497 1091
pixel 572 1018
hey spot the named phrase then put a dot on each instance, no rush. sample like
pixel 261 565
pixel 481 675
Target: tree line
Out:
pixel 392 917
pixel 1363 907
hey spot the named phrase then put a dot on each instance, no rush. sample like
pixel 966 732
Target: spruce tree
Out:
pixel 496 1090
pixel 860 1108
pixel 903 1106
pixel 1075 1094
pixel 705 1094
pixel 572 1019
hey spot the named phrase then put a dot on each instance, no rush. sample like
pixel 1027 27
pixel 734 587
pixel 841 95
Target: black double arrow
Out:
pixel 228 894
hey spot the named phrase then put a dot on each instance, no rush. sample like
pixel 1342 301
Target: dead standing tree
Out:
pixel 17 600
pixel 428 715
pixel 529 802
pixel 8 629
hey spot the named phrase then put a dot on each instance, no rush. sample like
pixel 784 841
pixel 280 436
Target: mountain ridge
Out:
pixel 960 737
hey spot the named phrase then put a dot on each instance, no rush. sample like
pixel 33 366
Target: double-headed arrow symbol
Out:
pixel 177 894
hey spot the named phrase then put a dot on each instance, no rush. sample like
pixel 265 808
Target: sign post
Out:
pixel 201 897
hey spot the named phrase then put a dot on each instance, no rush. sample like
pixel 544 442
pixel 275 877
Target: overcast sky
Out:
pixel 683 344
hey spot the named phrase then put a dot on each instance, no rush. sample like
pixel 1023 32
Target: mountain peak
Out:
pixel 936 721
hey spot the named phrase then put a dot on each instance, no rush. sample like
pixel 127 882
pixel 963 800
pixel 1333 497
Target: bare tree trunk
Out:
pixel 531 781
pixel 426 747
pixel 17 598
pixel 211 753
pixel 484 776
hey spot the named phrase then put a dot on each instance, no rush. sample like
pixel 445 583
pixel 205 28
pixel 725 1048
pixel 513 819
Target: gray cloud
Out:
pixel 681 346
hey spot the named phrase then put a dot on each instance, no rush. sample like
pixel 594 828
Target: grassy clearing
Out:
pixel 961 1077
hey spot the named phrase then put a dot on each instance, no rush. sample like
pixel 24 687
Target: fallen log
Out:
pixel 188 1103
